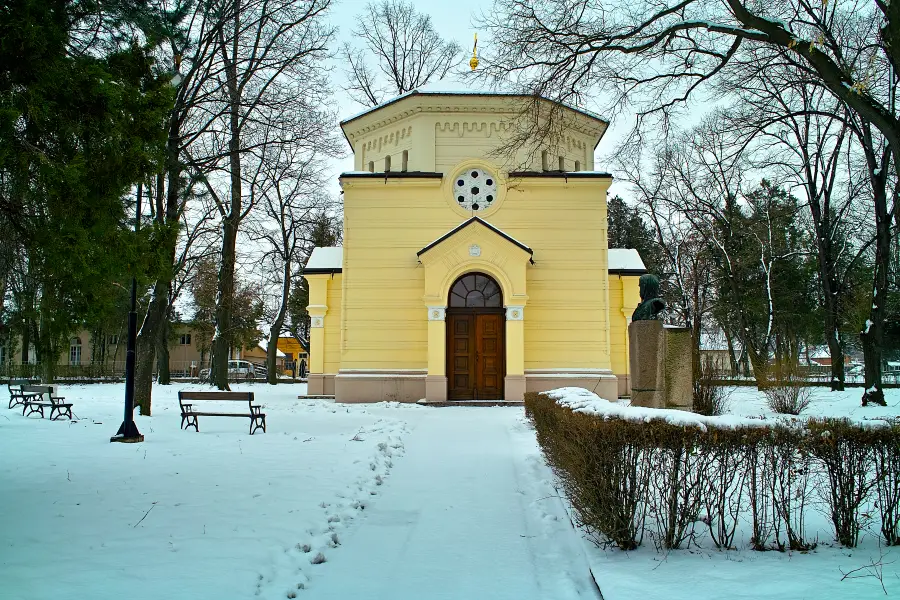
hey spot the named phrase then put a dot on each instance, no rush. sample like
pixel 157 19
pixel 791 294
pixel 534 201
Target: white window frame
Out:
pixel 75 352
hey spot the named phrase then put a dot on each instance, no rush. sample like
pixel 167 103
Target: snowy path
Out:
pixel 465 514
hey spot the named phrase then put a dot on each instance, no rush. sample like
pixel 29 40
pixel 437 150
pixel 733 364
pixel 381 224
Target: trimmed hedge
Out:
pixel 628 480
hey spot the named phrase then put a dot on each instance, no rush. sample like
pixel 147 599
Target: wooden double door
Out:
pixel 475 353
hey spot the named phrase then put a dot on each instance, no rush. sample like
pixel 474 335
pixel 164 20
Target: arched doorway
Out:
pixel 476 358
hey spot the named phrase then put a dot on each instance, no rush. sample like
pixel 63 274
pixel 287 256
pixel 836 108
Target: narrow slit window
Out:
pixel 371 166
pixel 405 164
pixel 577 165
pixel 544 161
pixel 387 163
pixel 562 163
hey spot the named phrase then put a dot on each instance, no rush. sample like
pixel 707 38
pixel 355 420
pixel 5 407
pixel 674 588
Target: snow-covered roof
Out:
pixel 264 345
pixel 625 259
pixel 325 258
pixel 448 87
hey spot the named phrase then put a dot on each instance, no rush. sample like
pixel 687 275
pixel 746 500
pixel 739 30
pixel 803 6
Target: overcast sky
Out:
pixel 452 19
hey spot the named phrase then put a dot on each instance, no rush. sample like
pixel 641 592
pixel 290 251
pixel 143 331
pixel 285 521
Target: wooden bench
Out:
pixel 16 395
pixel 37 397
pixel 189 413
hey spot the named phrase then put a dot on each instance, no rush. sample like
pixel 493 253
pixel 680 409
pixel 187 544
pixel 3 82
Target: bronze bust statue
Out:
pixel 651 304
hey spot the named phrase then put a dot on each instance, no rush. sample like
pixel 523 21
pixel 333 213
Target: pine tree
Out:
pixel 79 125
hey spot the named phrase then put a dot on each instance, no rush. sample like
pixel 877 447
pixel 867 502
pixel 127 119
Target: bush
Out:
pixel 629 478
pixel 886 455
pixel 709 399
pixel 603 473
pixel 847 453
pixel 787 398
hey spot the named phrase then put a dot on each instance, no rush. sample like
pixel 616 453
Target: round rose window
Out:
pixel 475 189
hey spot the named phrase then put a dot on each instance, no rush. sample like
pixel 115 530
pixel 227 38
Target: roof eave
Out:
pixel 471 221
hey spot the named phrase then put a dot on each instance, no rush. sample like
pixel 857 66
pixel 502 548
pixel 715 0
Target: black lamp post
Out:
pixel 128 431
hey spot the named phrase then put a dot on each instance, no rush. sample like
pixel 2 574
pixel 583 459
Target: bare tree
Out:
pixel 289 199
pixel 686 263
pixel 878 152
pixel 718 229
pixel 406 51
pixel 802 131
pixel 189 52
pixel 197 243
pixel 654 57
pixel 267 50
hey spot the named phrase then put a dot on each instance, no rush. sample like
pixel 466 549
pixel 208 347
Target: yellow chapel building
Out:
pixel 466 273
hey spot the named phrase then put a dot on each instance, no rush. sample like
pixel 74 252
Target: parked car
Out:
pixel 241 369
pixel 238 369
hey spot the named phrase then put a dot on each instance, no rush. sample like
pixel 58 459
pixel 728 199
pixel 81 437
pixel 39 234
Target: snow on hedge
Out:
pixel 584 401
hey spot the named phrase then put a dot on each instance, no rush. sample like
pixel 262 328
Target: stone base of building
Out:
pixel 600 381
pixel 359 386
pixel 318 384
pixel 624 385
pixel 514 387
pixel 380 386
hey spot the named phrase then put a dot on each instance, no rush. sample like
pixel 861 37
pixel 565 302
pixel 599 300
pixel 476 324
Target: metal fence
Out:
pixel 112 370
pixel 812 377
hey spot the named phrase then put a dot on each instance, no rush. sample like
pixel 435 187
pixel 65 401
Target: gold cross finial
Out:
pixel 474 60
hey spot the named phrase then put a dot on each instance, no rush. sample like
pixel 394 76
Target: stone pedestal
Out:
pixel 678 369
pixel 660 362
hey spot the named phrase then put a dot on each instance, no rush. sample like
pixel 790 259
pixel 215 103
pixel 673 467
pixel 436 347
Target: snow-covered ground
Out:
pixel 747 401
pixel 401 501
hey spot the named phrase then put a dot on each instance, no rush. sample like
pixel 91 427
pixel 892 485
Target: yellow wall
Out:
pixel 565 224
pixel 290 345
pixel 387 222
pixel 374 313
pixel 333 325
pixel 624 296
pixel 385 317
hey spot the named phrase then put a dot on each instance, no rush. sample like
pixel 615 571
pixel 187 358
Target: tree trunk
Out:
pixel 147 346
pixel 872 335
pixel 836 350
pixel 221 343
pixel 26 341
pixel 732 359
pixel 275 331
pixel 760 366
pixel 48 354
pixel 830 291
pixel 696 328
pixel 272 353
pixel 162 354
pixel 168 224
